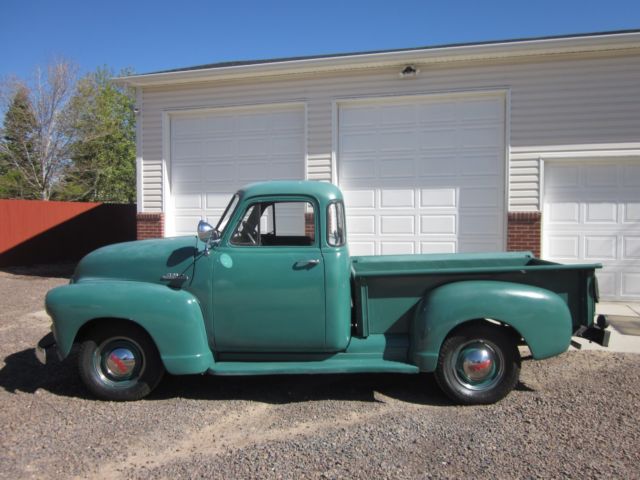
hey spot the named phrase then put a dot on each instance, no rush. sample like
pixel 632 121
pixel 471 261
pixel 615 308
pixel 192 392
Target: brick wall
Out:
pixel 309 225
pixel 150 225
pixel 523 232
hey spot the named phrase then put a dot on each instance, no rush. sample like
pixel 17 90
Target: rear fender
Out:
pixel 172 318
pixel 540 316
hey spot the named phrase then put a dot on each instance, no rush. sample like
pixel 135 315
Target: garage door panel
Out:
pixel 631 284
pixel 631 212
pixel 219 148
pixel 562 176
pixel 607 284
pixel 360 198
pixel 393 198
pixel 219 172
pixel 475 244
pixel 186 126
pixel 435 165
pixel 478 224
pixel 287 145
pixel 480 197
pixel 361 224
pixel 482 110
pixel 438 224
pixel 188 149
pixel 604 212
pixel 476 163
pixel 187 223
pixel 562 212
pixel 419 172
pixel 397 225
pixel 600 247
pixel 436 138
pixel 480 137
pixel 438 197
pixel 438 247
pixel 357 247
pixel 631 247
pixel 601 176
pixel 214 154
pixel 566 247
pixel 591 216
pixel 397 248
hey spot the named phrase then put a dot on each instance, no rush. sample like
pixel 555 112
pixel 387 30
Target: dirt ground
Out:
pixel 574 416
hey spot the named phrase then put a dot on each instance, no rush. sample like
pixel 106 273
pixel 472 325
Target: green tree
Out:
pixel 103 158
pixel 17 148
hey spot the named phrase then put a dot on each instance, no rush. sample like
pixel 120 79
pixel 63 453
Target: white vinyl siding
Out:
pixel 555 101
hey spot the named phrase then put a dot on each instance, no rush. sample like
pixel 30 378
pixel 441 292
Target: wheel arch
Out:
pixel 534 315
pixel 172 318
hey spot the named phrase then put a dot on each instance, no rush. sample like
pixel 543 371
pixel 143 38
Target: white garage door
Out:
pixel 215 153
pixel 423 175
pixel 592 215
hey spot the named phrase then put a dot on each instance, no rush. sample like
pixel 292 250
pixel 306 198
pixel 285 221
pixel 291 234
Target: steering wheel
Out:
pixel 250 235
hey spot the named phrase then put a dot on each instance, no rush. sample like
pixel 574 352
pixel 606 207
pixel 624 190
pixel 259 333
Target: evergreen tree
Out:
pixel 17 148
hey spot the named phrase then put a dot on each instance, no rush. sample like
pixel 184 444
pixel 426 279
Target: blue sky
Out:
pixel 155 35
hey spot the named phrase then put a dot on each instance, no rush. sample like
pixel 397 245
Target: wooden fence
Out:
pixel 37 232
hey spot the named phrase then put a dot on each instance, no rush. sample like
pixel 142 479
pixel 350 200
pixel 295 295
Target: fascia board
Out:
pixel 597 43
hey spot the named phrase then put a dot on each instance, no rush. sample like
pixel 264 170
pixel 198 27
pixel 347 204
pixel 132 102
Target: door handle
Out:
pixel 307 263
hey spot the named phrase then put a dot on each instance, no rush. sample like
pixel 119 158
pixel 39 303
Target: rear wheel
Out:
pixel 120 362
pixel 478 364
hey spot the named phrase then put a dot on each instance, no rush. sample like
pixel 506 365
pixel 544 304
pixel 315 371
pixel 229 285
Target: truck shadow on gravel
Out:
pixel 23 373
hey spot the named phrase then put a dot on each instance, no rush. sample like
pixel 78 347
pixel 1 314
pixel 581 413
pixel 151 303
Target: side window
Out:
pixel 290 224
pixel 336 235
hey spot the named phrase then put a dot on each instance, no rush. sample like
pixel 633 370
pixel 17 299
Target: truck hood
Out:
pixel 144 260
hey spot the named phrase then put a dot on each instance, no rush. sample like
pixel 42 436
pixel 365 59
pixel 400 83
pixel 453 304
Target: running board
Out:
pixel 330 365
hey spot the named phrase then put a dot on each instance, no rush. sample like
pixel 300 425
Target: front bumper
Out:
pixel 45 348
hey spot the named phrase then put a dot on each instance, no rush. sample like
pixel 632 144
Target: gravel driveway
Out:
pixel 576 415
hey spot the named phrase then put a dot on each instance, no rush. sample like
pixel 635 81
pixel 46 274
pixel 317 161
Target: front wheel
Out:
pixel 478 364
pixel 119 362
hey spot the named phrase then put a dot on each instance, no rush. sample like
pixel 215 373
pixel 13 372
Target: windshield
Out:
pixel 224 220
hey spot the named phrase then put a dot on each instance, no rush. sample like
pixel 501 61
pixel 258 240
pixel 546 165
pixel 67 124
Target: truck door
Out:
pixel 268 288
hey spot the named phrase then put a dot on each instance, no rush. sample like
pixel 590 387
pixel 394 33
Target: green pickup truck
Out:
pixel 272 290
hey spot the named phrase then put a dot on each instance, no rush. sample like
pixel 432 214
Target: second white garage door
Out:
pixel 423 175
pixel 215 153
pixel 592 215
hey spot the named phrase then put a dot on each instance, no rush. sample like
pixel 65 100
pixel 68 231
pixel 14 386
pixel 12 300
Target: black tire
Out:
pixel 478 364
pixel 119 361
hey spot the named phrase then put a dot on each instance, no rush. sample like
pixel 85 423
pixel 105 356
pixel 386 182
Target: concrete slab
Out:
pixel 635 307
pixel 625 325
pixel 616 308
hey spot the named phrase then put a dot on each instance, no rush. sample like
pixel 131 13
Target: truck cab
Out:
pixel 281 270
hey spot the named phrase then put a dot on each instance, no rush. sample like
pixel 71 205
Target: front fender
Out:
pixel 540 316
pixel 172 318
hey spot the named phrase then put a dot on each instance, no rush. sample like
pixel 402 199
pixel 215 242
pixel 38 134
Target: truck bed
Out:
pixel 387 288
pixel 398 265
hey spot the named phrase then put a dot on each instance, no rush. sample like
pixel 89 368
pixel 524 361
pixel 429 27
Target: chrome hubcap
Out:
pixel 478 365
pixel 120 363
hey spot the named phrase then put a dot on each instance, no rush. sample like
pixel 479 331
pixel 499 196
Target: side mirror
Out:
pixel 205 231
pixel 207 234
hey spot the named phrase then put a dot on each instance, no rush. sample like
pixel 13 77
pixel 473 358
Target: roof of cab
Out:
pixel 321 190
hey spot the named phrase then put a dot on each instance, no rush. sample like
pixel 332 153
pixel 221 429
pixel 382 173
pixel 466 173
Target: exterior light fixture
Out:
pixel 409 71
